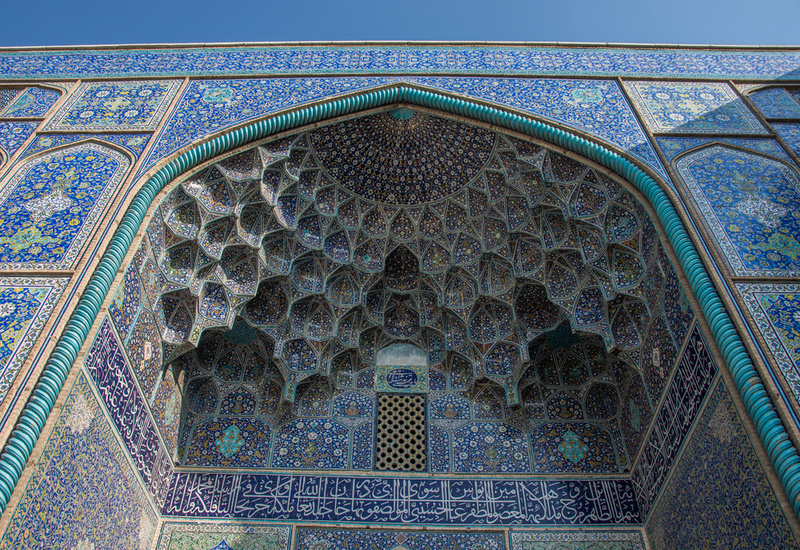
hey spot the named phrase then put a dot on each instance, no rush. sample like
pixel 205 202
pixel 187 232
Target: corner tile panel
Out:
pixel 353 539
pixel 53 203
pixel 14 134
pixel 32 102
pixel 694 374
pixel 776 103
pixel 26 304
pixel 775 309
pixel 692 107
pixel 82 493
pixel 719 496
pixel 748 203
pixel 577 540
pixel 115 106
pixel 790 132
pixel 222 536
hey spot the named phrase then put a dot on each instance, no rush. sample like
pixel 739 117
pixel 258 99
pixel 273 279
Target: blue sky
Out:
pixel 60 22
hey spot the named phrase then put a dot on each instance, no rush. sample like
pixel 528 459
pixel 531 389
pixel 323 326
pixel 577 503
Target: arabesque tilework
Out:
pixel 99 107
pixel 341 539
pixel 222 536
pixel 747 203
pixel 529 294
pixel 333 59
pixel 719 483
pixel 82 493
pixel 52 204
pixel 690 108
pixel 774 308
pixel 577 540
pixel 26 304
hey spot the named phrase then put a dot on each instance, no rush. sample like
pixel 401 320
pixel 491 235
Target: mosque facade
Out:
pixel 399 296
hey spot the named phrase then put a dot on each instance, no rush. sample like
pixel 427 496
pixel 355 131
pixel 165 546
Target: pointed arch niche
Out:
pixel 269 279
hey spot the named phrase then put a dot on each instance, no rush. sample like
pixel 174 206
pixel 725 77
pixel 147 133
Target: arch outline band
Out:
pixel 782 454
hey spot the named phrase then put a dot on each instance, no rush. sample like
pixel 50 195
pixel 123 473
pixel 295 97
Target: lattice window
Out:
pixel 400 442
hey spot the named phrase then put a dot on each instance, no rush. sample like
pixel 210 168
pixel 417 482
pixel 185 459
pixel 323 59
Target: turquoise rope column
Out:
pixel 29 427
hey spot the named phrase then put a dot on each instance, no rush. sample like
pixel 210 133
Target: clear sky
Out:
pixel 59 22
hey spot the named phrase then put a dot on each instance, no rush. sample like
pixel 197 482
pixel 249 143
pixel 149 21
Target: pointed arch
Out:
pixel 780 449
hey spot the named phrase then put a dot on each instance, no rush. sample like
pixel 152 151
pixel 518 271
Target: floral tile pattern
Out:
pixel 774 308
pixel 26 304
pixel 52 204
pixel 82 493
pixel 222 536
pixel 134 143
pixel 351 539
pixel 103 106
pixel 577 540
pixel 690 108
pixel 747 201
pixel 720 484
pixel 13 135
pixel 31 102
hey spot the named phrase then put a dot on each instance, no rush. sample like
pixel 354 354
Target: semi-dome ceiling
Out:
pixel 401 226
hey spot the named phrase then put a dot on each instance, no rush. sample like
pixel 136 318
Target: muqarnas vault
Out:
pixel 399 297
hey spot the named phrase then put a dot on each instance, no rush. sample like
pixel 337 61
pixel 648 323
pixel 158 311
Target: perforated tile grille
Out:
pixel 400 440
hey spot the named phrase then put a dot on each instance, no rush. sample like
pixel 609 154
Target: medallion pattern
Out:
pixel 690 108
pixel 26 304
pixel 719 482
pixel 747 202
pixel 774 308
pixel 577 540
pixel 52 204
pixel 218 536
pixel 106 106
pixel 351 539
pixel 82 492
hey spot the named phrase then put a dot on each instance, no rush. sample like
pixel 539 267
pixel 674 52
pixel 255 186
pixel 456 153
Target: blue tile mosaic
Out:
pixel 13 135
pixel 31 103
pixel 300 497
pixel 176 535
pixel 776 103
pixel 128 411
pixel 746 201
pixel 26 304
pixel 720 484
pixel 790 134
pixel 135 143
pixel 390 59
pixel 82 493
pixel 51 205
pixel 681 404
pixel 115 106
pixel 675 146
pixel 774 309
pixel 577 540
pixel 209 106
pixel 352 539
pixel 690 108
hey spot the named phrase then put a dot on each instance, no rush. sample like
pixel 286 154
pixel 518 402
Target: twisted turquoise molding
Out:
pixel 782 453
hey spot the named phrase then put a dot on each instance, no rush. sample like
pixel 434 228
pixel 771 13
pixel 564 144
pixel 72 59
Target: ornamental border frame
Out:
pixel 20 445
